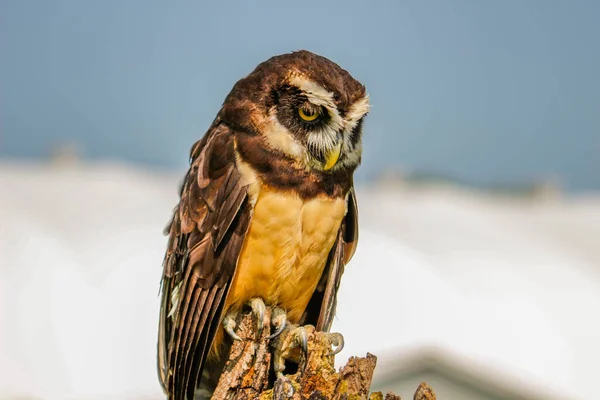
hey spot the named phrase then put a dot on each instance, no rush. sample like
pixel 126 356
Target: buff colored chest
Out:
pixel 285 250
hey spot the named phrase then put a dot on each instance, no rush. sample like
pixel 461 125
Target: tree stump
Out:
pixel 248 372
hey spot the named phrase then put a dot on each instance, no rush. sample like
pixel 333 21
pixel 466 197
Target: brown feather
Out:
pixel 204 337
pixel 350 227
pixel 321 308
pixel 184 350
pixel 205 236
pixel 199 321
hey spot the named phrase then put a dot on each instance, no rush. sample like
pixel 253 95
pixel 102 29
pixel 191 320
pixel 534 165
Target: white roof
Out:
pixel 511 286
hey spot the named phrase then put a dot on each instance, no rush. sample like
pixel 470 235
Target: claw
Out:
pixel 303 339
pixel 295 338
pixel 337 340
pixel 229 326
pixel 279 320
pixel 258 308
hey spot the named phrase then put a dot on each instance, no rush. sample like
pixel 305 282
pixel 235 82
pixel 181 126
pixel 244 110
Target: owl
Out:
pixel 267 216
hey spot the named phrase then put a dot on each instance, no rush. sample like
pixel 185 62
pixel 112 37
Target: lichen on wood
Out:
pixel 248 372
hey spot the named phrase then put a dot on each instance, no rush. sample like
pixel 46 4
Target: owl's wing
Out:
pixel 321 308
pixel 205 238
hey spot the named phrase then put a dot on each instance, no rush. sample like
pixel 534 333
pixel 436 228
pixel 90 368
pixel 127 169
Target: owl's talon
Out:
pixel 279 321
pixel 293 339
pixel 336 340
pixel 258 308
pixel 303 337
pixel 229 325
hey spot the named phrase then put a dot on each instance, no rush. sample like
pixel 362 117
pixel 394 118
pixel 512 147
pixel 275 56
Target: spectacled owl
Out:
pixel 267 214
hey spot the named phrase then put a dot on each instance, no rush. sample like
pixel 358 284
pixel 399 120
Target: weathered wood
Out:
pixel 248 372
pixel 424 392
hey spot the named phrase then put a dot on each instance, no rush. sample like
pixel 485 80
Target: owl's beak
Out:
pixel 334 155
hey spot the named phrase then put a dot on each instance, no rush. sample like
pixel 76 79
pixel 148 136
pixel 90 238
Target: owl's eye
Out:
pixel 308 114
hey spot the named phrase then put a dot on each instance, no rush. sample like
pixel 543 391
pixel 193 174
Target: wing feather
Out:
pixel 205 238
pixel 199 320
pixel 350 228
pixel 321 308
pixel 184 350
pixel 201 339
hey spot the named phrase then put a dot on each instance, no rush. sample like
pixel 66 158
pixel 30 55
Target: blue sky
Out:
pixel 486 91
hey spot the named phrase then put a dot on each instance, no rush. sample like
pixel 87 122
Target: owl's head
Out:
pixel 305 107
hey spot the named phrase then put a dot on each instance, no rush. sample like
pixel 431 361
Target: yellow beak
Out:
pixel 333 157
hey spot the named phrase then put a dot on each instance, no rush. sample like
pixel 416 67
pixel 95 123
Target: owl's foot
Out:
pixel 229 325
pixel 287 347
pixel 258 309
pixel 278 320
pixel 293 344
pixel 337 340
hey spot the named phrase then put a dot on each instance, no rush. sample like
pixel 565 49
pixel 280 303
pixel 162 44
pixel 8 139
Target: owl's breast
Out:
pixel 286 249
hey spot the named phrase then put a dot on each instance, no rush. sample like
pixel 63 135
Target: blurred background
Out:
pixel 478 267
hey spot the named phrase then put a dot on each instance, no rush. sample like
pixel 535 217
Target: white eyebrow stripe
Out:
pixel 313 89
pixel 358 109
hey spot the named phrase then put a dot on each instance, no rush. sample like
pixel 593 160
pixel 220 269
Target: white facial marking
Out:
pixel 325 139
pixel 319 97
pixel 358 110
pixel 354 114
pixel 249 177
pixel 281 139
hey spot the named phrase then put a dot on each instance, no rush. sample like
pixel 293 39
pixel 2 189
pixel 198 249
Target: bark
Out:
pixel 248 371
